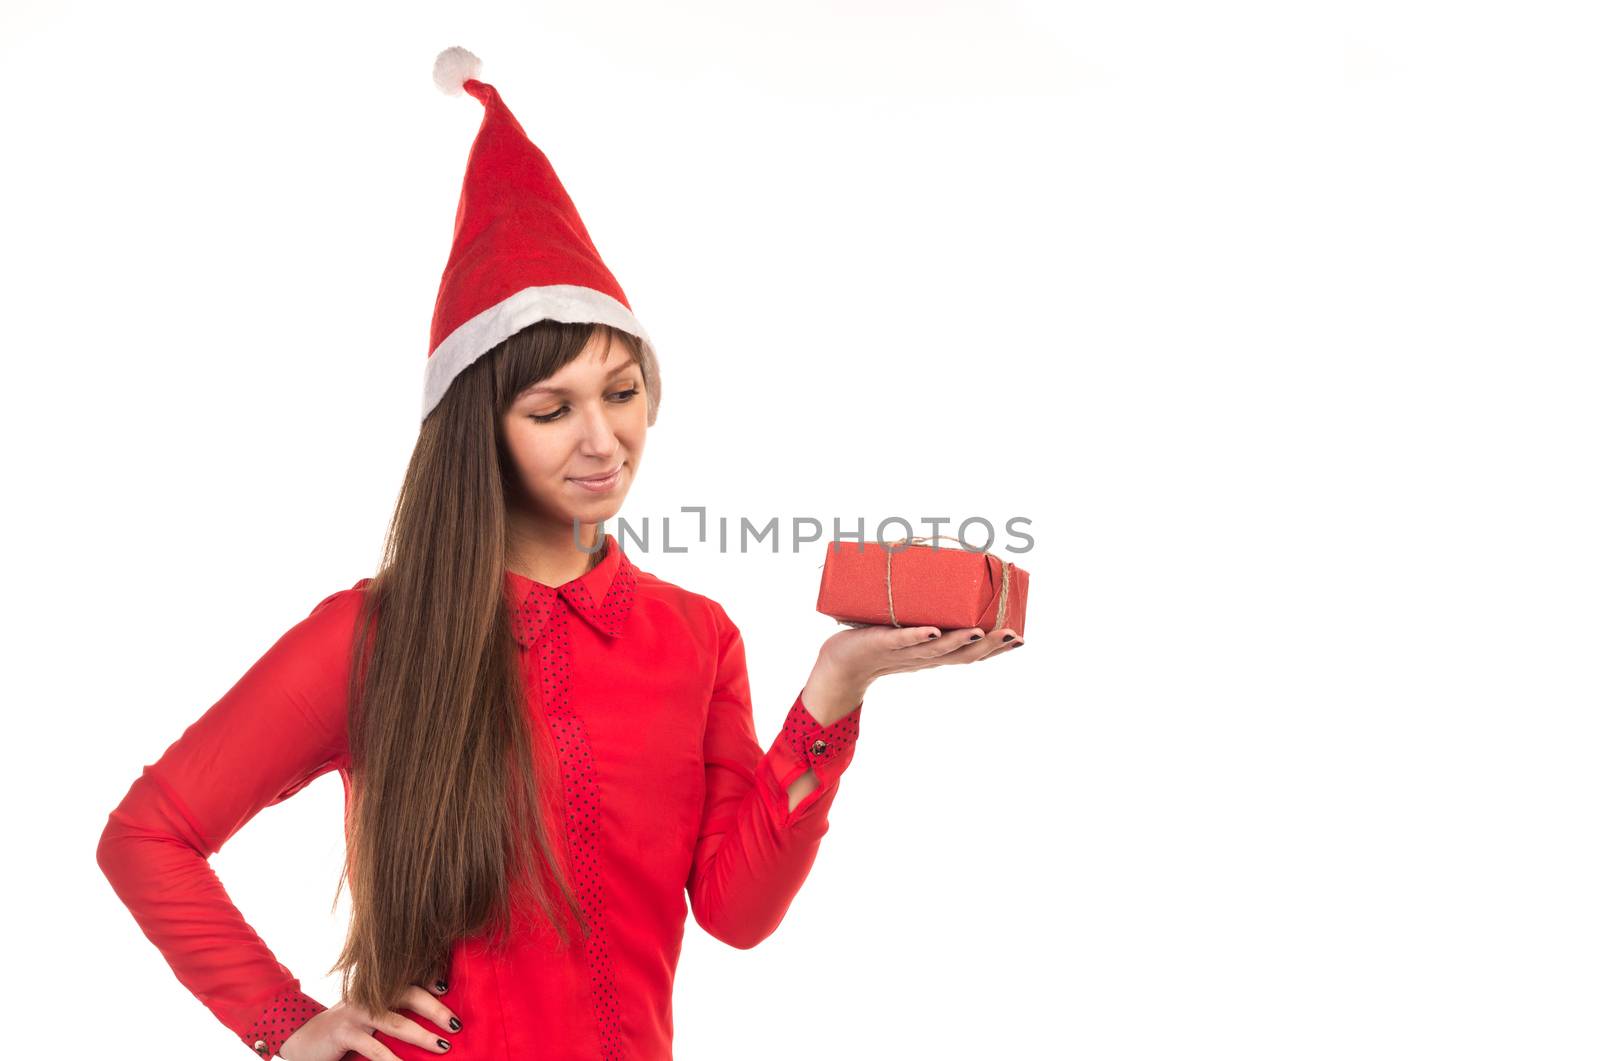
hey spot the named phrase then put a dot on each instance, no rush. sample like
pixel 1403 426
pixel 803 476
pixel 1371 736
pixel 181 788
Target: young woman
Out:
pixel 549 755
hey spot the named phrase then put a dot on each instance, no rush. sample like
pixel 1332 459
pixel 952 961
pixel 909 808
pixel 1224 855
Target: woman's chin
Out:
pixel 601 508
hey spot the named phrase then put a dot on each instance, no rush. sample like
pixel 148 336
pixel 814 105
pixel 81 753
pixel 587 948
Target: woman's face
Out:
pixel 586 420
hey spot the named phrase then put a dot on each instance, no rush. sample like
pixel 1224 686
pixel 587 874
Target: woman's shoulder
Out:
pixel 341 600
pixel 692 605
pixel 328 629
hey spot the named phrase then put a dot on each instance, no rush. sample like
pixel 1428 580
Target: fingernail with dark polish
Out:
pixel 1009 637
pixel 933 635
pixel 440 986
pixel 444 1044
pixel 974 637
pixel 455 1025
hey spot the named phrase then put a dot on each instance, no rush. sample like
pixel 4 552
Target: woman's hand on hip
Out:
pixel 344 1030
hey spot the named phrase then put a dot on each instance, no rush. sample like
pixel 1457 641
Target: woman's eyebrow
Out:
pixel 545 388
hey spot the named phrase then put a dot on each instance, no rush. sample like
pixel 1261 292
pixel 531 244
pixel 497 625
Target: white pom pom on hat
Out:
pixel 452 68
pixel 520 254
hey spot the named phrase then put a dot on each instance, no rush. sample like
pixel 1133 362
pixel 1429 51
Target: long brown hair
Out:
pixel 453 793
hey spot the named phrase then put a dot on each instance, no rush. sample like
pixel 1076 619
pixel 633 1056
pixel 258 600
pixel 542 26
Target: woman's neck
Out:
pixel 547 554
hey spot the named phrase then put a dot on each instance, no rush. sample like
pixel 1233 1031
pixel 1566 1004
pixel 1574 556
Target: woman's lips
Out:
pixel 601 485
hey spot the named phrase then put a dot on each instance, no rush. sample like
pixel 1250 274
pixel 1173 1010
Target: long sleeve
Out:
pixel 753 853
pixel 278 728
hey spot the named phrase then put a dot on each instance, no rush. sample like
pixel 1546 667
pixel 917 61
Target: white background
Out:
pixel 1276 319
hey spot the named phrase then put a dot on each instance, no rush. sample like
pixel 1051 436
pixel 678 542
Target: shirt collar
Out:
pixel 603 595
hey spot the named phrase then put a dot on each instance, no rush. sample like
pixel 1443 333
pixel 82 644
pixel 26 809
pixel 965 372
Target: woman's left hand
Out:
pixel 853 659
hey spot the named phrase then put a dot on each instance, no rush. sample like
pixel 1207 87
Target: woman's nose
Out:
pixel 598 437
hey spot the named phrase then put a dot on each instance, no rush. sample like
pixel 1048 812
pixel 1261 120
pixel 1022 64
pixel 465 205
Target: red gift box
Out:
pixel 910 583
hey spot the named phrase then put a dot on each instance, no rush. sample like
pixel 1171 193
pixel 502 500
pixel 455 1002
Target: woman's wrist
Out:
pixel 830 695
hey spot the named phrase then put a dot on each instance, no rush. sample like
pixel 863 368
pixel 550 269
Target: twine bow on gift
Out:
pixel 888 578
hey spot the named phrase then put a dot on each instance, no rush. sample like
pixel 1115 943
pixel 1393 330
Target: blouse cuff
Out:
pixel 817 745
pixel 805 744
pixel 280 1018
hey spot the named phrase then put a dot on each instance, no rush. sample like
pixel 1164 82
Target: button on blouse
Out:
pixel 639 697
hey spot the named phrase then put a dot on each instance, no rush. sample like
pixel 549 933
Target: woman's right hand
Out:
pixel 344 1030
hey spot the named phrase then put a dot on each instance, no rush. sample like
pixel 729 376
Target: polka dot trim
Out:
pixel 582 790
pixel 541 623
pixel 814 743
pixel 279 1019
pixel 529 619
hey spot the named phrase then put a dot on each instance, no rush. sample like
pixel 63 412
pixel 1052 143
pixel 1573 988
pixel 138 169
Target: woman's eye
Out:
pixel 621 396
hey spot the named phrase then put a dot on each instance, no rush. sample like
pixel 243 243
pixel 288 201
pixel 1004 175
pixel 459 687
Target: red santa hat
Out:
pixel 520 253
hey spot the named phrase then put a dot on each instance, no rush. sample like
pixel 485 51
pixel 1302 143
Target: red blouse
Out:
pixel 642 688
